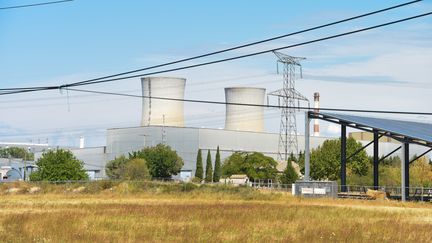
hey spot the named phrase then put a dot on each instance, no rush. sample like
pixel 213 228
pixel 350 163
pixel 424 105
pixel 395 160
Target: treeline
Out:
pixel 16 153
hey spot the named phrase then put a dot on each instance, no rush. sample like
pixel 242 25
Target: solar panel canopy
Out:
pixel 414 130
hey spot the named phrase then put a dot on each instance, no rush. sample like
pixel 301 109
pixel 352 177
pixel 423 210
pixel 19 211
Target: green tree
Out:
pixel 115 168
pixel 59 165
pixel 325 160
pixel 199 171
pixel 161 160
pixel 255 165
pixel 16 152
pixel 289 175
pixel 135 169
pixel 217 168
pixel 209 168
pixel 292 157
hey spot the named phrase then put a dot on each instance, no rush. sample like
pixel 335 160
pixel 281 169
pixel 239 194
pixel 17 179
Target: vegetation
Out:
pixel 136 169
pixel 255 165
pixel 127 169
pixel 185 212
pixel 162 161
pixel 58 165
pixel 15 152
pixel 325 160
pixel 199 171
pixel 209 168
pixel 289 175
pixel 115 168
pixel 390 173
pixel 218 167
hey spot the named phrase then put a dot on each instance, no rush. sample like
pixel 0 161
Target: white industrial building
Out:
pixel 163 122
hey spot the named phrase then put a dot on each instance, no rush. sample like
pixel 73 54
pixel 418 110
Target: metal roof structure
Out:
pixel 404 131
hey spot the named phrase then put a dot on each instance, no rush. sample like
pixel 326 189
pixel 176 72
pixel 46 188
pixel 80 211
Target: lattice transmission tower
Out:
pixel 289 98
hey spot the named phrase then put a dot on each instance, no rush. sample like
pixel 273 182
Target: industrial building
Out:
pixel 163 122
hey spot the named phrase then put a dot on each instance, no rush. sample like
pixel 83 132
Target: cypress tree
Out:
pixel 289 175
pixel 217 168
pixel 209 168
pixel 199 171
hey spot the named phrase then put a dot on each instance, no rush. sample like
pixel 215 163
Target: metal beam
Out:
pixel 343 158
pixel 307 147
pixel 375 160
pixel 388 155
pixel 398 137
pixel 423 154
pixel 362 148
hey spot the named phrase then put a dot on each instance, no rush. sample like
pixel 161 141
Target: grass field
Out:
pixel 203 214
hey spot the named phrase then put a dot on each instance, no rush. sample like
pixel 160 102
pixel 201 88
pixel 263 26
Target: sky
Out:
pixel 385 69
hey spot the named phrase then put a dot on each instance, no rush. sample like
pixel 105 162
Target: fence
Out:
pixel 392 192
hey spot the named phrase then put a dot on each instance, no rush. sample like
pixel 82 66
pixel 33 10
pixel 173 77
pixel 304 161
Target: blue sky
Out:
pixel 67 42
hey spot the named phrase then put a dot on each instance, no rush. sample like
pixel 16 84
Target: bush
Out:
pixel 136 169
pixel 59 165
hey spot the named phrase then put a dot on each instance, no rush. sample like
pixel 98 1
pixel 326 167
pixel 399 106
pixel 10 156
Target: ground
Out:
pixel 206 215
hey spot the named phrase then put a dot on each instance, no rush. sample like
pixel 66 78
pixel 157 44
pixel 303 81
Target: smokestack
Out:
pixel 81 142
pixel 316 109
pixel 244 118
pixel 163 112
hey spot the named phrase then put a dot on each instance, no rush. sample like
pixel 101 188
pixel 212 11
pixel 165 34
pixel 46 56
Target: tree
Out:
pixel 161 160
pixel 15 152
pixel 217 168
pixel 136 169
pixel 199 171
pixel 289 175
pixel 115 168
pixel 255 165
pixel 209 168
pixel 127 169
pixel 325 160
pixel 59 165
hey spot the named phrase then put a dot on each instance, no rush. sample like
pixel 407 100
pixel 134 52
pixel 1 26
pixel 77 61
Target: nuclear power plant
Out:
pixel 162 121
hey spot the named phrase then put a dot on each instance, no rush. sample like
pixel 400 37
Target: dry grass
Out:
pixel 206 215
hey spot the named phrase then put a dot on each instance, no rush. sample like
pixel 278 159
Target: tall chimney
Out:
pixel 316 109
pixel 81 142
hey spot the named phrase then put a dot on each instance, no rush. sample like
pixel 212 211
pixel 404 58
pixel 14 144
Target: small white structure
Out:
pixel 186 175
pixel 236 180
pixel 245 118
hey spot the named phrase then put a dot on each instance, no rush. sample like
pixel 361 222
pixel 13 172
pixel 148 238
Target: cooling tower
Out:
pixel 244 118
pixel 158 111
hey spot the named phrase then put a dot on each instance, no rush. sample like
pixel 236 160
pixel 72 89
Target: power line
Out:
pixel 251 54
pixel 35 4
pixel 256 105
pixel 7 91
pixel 252 43
pixel 33 89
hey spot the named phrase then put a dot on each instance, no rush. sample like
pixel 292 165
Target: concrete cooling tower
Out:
pixel 244 118
pixel 162 112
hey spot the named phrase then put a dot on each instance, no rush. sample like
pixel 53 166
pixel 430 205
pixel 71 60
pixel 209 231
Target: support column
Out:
pixel 343 158
pixel 405 171
pixel 307 148
pixel 376 160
